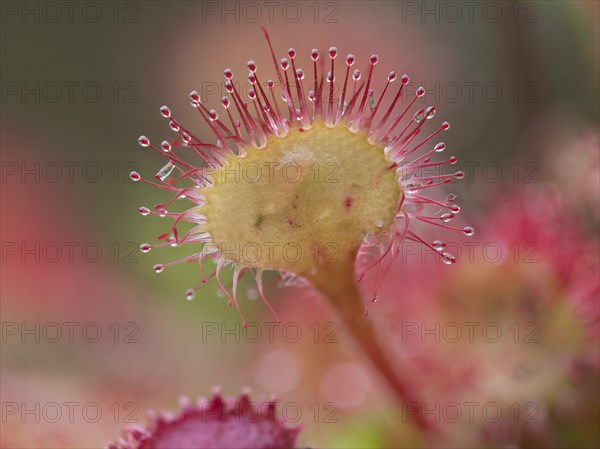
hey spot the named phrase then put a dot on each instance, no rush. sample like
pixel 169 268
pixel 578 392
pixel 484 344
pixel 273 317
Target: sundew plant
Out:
pixel 317 187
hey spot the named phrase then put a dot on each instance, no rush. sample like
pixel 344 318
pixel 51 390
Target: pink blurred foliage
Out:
pixel 539 285
pixel 36 293
pixel 51 214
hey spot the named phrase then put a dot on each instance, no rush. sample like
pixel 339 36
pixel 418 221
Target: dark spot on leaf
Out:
pixel 259 221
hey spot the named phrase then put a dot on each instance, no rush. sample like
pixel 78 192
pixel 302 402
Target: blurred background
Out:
pixel 92 337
